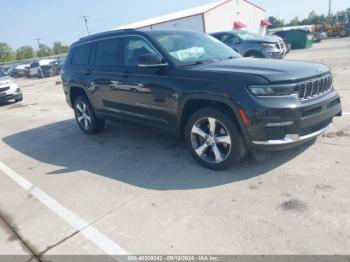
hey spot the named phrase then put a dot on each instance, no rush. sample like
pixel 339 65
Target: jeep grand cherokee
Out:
pixel 194 85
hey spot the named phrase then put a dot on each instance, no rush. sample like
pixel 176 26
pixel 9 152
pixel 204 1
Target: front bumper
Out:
pixel 7 98
pixel 277 52
pixel 285 124
pixel 292 138
pixel 12 93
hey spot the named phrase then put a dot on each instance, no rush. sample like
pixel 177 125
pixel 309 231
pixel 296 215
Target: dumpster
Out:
pixel 299 39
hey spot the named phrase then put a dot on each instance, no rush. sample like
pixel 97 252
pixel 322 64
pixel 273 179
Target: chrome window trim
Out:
pixel 120 36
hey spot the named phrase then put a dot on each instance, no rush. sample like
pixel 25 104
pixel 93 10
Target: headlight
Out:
pixel 268 45
pixel 273 90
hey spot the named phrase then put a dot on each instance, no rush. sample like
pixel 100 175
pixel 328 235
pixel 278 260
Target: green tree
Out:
pixel 24 52
pixel 5 52
pixel 58 48
pixel 275 22
pixel 44 50
pixel 294 21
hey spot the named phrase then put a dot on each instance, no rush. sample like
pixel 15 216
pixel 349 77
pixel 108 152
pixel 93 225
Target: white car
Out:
pixel 41 68
pixel 9 89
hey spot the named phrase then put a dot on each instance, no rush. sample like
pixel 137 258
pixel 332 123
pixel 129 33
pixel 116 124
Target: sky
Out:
pixel 23 21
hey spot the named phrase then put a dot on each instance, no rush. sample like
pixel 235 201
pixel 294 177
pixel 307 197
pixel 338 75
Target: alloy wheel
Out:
pixel 211 140
pixel 83 115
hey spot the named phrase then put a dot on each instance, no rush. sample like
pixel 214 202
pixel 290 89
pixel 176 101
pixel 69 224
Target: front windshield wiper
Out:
pixel 201 62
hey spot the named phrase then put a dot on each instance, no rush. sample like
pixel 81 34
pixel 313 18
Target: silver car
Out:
pixel 249 44
pixel 9 89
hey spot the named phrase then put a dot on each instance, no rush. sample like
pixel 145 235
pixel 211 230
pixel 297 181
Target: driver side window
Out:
pixel 228 38
pixel 134 47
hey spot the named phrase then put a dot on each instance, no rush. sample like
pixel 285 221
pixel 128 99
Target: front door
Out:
pixel 145 92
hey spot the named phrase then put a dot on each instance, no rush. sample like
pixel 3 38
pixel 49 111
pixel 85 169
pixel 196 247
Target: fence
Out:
pixel 13 64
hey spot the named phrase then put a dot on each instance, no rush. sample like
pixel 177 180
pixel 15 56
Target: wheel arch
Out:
pixel 253 51
pixel 193 104
pixel 75 91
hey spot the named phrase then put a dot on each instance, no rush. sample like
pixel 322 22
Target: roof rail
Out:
pixel 105 33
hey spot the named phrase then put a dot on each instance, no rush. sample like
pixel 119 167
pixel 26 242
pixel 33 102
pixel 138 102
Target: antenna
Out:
pixel 85 18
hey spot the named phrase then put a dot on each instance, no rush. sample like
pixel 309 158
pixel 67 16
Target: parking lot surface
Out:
pixel 134 190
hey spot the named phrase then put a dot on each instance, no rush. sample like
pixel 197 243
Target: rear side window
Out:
pixel 81 54
pixel 107 52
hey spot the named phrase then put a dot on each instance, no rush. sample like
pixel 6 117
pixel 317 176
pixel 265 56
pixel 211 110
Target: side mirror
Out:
pixel 236 40
pixel 151 60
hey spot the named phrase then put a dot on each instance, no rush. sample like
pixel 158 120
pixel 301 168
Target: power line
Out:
pixel 85 18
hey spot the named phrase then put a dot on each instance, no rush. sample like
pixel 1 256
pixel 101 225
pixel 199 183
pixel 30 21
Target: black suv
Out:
pixel 193 85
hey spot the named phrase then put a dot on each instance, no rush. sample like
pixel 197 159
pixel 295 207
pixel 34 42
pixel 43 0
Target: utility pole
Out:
pixel 330 8
pixel 38 40
pixel 86 23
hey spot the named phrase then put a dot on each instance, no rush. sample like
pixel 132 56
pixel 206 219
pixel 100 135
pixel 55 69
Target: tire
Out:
pixel 253 55
pixel 216 148
pixel 86 118
pixel 19 99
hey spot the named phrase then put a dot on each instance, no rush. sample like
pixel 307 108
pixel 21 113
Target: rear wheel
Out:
pixel 213 139
pixel 86 118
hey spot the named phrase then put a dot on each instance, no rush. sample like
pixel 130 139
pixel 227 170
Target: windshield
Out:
pixel 186 48
pixel 246 35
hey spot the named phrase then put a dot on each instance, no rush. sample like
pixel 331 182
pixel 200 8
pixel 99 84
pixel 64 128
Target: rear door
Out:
pixel 105 73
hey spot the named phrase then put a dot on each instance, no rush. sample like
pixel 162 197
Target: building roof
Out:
pixel 181 14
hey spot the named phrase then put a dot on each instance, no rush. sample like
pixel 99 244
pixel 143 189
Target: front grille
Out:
pixel 315 87
pixel 280 45
pixel 314 128
pixel 3 89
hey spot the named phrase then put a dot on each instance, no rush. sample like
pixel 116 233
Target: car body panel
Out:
pixel 158 96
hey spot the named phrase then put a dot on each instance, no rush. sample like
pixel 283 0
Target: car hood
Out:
pixel 4 79
pixel 271 69
pixel 265 39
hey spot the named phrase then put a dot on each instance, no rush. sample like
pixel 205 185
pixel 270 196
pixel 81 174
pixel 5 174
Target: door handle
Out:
pixel 88 72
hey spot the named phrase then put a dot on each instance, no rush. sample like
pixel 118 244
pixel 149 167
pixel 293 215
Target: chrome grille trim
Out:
pixel 315 87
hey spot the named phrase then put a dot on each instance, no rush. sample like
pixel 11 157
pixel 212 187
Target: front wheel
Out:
pixel 19 99
pixel 85 117
pixel 213 139
pixel 254 55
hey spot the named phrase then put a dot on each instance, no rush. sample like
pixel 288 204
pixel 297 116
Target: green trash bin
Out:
pixel 299 39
